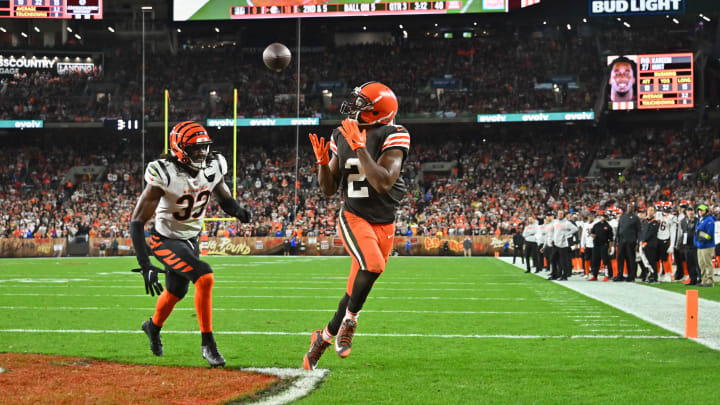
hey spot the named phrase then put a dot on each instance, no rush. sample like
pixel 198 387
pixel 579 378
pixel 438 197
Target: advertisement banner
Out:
pixel 242 246
pixel 262 122
pixel 627 7
pixel 537 117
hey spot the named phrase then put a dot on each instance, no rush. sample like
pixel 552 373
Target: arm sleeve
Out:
pixel 232 207
pixel 137 233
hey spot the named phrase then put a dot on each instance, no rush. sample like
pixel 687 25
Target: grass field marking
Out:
pixel 305 381
pixel 367 311
pixel 43 280
pixel 385 335
pixel 132 285
pixel 273 296
pixel 659 307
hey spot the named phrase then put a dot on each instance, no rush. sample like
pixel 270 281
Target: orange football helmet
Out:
pixel 190 144
pixel 371 103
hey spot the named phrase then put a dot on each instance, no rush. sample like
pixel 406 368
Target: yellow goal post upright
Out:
pixel 204 235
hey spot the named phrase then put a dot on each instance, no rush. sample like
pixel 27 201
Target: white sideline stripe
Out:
pixel 368 311
pixel 396 335
pixel 305 382
pixel 663 308
pixel 272 296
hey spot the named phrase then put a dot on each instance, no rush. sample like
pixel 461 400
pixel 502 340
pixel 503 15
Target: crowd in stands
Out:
pixel 493 187
pixel 496 71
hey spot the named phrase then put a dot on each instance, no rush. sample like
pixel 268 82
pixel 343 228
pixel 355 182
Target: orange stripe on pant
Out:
pixel 365 242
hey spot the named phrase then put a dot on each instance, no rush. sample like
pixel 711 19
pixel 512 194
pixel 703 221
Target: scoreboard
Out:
pixel 665 81
pixel 199 10
pixel 346 9
pixel 56 9
pixel 651 81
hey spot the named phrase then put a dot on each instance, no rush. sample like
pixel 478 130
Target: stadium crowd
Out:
pixel 499 70
pixel 491 186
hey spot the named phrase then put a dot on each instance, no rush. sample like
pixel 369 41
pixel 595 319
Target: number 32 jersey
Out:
pixel 181 210
pixel 358 195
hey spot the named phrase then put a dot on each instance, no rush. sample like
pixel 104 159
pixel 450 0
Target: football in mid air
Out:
pixel 276 56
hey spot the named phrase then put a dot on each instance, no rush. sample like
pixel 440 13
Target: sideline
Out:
pixel 663 308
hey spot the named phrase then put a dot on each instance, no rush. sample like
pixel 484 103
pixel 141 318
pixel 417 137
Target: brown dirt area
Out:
pixel 36 378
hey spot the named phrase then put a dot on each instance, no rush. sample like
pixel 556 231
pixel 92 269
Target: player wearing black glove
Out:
pixel 179 187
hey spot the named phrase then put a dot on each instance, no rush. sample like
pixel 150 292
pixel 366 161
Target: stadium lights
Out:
pixel 405 34
pixel 179 30
pixel 36 29
pixel 217 29
pixel 111 29
pixel 146 8
pixel 24 34
pixel 436 24
pixel 544 22
pixel 68 29
pixel 569 27
pixel 626 24
pixel 475 23
pixel 400 26
pixel 619 19
pixel 3 29
pixel 364 27
pixel 584 20
pixel 706 18
pixel 675 20
pixel 78 36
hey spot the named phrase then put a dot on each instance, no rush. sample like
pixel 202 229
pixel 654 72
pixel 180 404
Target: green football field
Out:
pixel 433 331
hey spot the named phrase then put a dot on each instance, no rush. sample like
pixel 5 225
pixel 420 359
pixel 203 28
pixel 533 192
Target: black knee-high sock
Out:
pixel 335 322
pixel 364 281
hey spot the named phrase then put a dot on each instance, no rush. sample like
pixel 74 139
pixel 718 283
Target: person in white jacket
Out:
pixel 563 231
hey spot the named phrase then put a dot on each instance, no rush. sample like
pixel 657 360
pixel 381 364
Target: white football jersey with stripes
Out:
pixel 182 208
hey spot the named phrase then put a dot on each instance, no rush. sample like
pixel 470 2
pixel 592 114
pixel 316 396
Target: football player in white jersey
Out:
pixel 179 186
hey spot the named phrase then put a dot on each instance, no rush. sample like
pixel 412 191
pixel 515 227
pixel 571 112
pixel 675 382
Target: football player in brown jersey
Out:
pixel 367 156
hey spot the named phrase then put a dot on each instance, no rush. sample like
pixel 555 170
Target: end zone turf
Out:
pixel 37 378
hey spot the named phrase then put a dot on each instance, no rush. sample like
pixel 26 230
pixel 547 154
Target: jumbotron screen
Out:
pixel 187 10
pixel 60 9
pixel 651 81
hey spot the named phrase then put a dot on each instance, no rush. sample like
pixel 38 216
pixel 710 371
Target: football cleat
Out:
pixel 212 355
pixel 316 350
pixel 606 278
pixel 593 278
pixel 153 335
pixel 343 342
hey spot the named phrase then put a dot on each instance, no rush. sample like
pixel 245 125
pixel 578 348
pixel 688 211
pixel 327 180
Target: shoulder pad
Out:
pixel 222 164
pixel 157 174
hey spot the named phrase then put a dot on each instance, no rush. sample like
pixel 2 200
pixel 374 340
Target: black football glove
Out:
pixel 150 276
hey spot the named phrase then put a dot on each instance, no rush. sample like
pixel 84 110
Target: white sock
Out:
pixel 350 315
pixel 326 335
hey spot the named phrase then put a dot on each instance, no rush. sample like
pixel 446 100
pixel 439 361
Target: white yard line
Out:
pixel 657 306
pixel 335 297
pixel 368 311
pixel 384 335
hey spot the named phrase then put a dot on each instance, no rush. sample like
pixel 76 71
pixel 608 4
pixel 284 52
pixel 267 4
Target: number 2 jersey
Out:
pixel 359 197
pixel 181 210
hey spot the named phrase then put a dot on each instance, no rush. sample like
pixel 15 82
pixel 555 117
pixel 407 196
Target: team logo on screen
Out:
pixel 614 7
